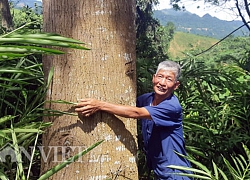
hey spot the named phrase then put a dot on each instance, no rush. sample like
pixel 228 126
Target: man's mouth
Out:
pixel 161 89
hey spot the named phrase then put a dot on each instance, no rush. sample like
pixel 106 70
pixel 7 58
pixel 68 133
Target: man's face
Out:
pixel 164 83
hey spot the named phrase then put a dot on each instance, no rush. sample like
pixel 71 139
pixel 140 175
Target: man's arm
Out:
pixel 86 107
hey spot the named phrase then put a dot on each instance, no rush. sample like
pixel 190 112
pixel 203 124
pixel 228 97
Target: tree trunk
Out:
pixel 6 17
pixel 106 72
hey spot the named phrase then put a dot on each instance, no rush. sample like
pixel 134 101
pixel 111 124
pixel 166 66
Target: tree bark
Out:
pixel 6 17
pixel 106 72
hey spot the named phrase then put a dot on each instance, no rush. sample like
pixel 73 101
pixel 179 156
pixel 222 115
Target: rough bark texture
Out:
pixel 105 72
pixel 6 17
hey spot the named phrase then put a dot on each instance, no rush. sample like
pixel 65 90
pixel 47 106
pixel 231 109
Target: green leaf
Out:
pixel 6 118
pixel 63 102
pixel 27 50
pixel 194 150
pixel 32 156
pixel 41 42
pixel 215 170
pixel 230 167
pixel 67 162
pixel 20 171
pixel 193 175
pixel 223 174
pixel 239 164
pixel 189 169
pixel 196 163
pixel 20 130
pixel 3 176
pixel 48 36
pixel 247 151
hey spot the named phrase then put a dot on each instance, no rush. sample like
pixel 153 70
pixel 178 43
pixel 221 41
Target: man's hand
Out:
pixel 87 107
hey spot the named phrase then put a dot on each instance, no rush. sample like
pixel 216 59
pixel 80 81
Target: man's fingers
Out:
pixel 84 100
pixel 80 104
pixel 85 108
pixel 85 113
pixel 82 109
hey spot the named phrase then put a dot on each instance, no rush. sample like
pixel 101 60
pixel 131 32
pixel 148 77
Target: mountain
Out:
pixel 29 3
pixel 184 21
pixel 207 25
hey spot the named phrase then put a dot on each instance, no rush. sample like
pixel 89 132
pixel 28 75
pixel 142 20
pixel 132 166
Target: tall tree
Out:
pixel 6 17
pixel 106 72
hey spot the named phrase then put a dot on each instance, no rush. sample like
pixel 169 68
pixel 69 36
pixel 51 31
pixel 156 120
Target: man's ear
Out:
pixel 153 78
pixel 177 84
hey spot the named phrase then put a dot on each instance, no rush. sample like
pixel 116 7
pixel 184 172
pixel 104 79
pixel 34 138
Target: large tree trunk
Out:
pixel 105 72
pixel 6 17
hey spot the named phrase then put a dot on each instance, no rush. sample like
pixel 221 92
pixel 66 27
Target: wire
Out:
pixel 222 39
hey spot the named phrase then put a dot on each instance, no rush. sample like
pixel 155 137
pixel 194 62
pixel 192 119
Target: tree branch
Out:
pixel 247 10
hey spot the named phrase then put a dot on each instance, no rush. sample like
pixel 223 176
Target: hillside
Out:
pixel 205 26
pixel 184 42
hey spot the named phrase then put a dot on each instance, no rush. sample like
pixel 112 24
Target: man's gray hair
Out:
pixel 170 66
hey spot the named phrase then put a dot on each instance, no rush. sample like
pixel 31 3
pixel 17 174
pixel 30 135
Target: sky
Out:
pixel 222 12
pixel 226 11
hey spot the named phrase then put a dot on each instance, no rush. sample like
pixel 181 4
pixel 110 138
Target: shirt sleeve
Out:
pixel 166 114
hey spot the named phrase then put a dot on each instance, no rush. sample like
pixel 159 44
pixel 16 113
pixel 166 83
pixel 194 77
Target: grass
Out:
pixel 184 42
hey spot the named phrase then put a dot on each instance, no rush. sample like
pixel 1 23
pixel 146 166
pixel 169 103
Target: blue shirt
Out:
pixel 163 135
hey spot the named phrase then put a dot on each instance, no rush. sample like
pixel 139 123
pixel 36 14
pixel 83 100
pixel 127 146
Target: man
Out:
pixel 161 115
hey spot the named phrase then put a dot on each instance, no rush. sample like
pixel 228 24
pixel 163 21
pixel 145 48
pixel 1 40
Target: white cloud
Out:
pixel 226 11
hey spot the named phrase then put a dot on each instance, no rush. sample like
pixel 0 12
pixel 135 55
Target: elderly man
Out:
pixel 161 115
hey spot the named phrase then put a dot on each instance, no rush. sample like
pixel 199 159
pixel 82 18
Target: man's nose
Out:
pixel 163 81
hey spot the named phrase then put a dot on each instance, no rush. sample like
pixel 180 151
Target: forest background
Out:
pixel 214 92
